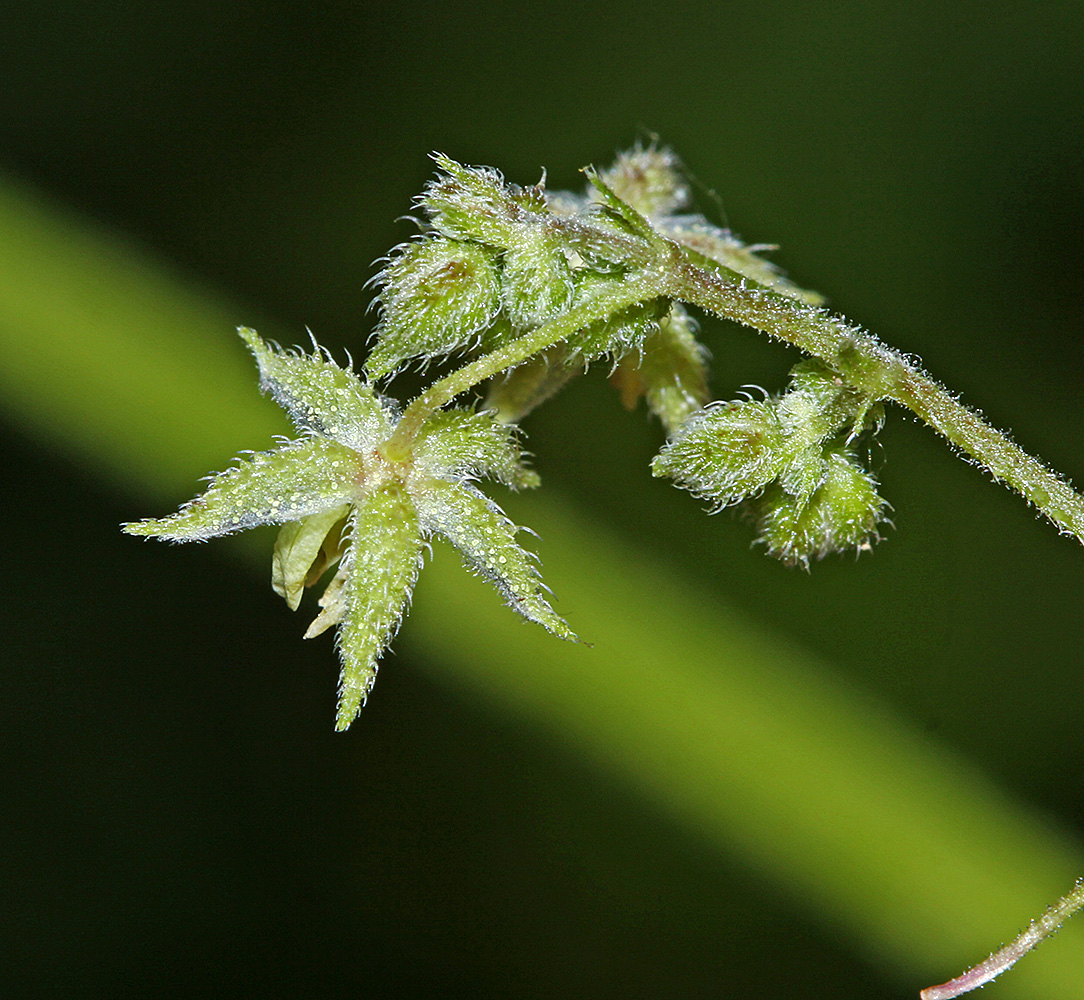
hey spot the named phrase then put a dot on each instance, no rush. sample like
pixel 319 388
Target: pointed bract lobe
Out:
pixel 476 203
pixel 379 573
pixel 320 396
pixel 462 443
pixel 486 538
pixel 301 478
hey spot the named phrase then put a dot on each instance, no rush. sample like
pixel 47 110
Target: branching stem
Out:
pixel 883 373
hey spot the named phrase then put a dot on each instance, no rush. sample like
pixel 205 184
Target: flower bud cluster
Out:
pixel 790 461
pixel 490 266
pixel 496 260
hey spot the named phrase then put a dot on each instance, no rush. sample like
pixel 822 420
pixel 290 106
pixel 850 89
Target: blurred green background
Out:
pixel 750 809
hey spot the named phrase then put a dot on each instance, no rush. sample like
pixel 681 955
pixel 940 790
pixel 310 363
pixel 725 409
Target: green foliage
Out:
pixel 534 287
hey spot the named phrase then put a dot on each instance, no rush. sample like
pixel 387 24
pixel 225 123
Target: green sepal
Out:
pixel 437 296
pixel 486 539
pixel 304 550
pixel 319 395
pixel 299 479
pixel 669 371
pixel 379 572
pixel 842 513
pixel 803 473
pixel 455 443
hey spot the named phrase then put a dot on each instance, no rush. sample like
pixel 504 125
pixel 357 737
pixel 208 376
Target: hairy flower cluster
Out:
pixel 496 260
pixel 343 497
pixel 531 287
pixel 791 461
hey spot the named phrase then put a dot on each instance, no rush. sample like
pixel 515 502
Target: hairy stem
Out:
pixel 637 287
pixel 1006 957
pixel 883 373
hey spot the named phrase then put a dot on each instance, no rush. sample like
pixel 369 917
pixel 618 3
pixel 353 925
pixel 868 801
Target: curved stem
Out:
pixel 883 373
pixel 1006 957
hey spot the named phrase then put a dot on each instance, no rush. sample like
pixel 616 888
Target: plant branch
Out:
pixel 882 373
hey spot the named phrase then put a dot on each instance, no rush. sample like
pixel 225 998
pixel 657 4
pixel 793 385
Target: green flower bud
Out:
pixel 536 282
pixel 842 513
pixel 650 180
pixel 437 296
pixel 816 406
pixel 726 453
pixel 476 203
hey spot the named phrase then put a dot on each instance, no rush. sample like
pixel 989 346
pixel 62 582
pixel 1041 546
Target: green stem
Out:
pixel 1006 957
pixel 637 287
pixel 883 373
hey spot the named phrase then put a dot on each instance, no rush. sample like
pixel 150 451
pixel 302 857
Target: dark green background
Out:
pixel 179 816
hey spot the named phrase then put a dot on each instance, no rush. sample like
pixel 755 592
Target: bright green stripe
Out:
pixel 114 359
pixel 901 848
pixel 865 822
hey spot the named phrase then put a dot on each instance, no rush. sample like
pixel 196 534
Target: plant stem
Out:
pixel 860 358
pixel 638 286
pixel 1001 960
pixel 883 373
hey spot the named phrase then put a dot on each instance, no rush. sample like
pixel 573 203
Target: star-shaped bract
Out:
pixel 340 498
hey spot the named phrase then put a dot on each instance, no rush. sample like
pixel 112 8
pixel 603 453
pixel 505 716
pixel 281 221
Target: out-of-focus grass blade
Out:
pixel 859 817
pixel 115 360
